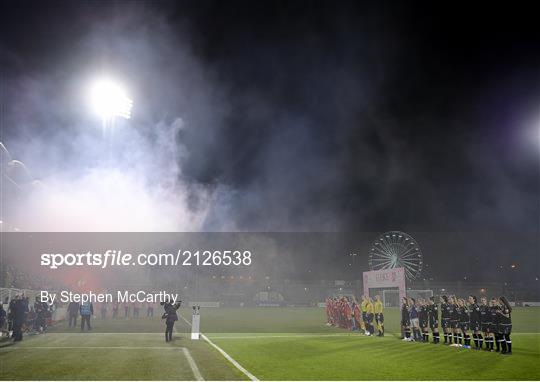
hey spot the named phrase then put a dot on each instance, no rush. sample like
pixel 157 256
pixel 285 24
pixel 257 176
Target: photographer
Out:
pixel 170 316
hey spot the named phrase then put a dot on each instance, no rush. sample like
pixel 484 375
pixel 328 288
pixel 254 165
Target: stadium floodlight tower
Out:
pixel 109 100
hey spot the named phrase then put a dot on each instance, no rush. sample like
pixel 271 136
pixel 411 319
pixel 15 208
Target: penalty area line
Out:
pixel 193 365
pixel 194 369
pixel 224 354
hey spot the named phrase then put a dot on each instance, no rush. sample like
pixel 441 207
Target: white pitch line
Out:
pixel 293 335
pixel 525 334
pixel 288 336
pixel 194 369
pixel 314 335
pixel 224 354
pixel 101 333
pixel 193 365
pixel 154 333
pixel 92 347
pixel 230 359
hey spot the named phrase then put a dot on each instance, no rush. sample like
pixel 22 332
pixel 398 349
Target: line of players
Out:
pixel 347 313
pixel 489 323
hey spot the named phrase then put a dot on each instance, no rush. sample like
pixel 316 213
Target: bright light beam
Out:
pixel 108 99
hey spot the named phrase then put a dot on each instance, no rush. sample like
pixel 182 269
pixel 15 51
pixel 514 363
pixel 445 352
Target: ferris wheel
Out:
pixel 395 249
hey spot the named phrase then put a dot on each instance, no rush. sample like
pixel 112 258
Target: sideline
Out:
pixel 93 347
pixel 292 335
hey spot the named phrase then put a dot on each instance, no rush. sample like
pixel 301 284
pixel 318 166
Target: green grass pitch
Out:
pixel 271 343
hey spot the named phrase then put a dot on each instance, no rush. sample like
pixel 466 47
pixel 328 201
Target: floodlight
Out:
pixel 108 99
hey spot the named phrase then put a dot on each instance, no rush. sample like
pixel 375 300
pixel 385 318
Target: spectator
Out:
pixel 115 310
pixel 41 310
pixel 73 312
pixel 20 308
pixel 11 311
pixel 86 310
pixel 103 311
pixel 136 309
pixel 3 316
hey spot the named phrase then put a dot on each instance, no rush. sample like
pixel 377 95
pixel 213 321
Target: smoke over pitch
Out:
pixel 262 118
pixel 130 181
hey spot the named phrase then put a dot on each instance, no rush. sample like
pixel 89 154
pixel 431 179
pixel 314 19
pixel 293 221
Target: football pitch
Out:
pixel 264 344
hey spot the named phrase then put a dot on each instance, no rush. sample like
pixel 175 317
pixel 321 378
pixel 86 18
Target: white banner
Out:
pixel 385 278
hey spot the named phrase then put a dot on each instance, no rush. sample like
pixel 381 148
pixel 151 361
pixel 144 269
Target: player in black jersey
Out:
pixel 505 325
pixel 405 320
pixel 445 320
pixel 456 324
pixel 485 323
pixel 494 328
pixel 379 315
pixel 475 321
pixel 433 319
pixel 454 320
pixel 464 323
pixel 423 319
pixel 456 316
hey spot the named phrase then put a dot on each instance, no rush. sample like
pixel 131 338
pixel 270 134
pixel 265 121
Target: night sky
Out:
pixel 316 115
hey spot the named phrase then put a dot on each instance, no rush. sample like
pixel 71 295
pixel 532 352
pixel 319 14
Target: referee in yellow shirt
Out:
pixel 369 316
pixel 379 316
pixel 364 314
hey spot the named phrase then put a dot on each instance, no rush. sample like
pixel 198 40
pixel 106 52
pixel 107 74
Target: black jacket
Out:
pixel 170 312
pixel 19 311
pixel 73 308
